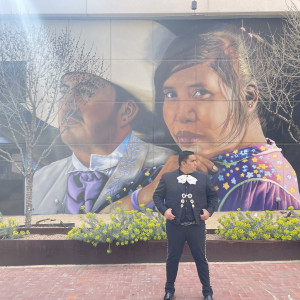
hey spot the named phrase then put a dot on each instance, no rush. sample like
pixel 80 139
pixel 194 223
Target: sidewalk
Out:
pixel 260 280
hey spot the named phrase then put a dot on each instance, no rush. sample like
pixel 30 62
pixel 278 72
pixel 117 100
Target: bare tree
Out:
pixel 275 64
pixel 32 60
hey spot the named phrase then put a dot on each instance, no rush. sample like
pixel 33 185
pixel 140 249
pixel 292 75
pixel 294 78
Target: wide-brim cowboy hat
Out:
pixel 129 49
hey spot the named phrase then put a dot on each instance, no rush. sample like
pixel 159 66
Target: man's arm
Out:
pixel 212 196
pixel 159 196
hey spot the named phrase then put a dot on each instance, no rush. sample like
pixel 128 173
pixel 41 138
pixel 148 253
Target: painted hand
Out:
pixel 205 165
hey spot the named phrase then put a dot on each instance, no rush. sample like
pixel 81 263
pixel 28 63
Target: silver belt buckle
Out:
pixel 187 223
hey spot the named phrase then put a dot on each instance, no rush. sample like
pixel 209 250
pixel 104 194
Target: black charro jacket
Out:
pixel 168 194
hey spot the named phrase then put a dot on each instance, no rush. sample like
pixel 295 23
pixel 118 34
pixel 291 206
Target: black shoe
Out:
pixel 168 296
pixel 208 297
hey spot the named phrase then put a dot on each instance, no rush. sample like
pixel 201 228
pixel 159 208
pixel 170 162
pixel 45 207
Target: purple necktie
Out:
pixel 84 188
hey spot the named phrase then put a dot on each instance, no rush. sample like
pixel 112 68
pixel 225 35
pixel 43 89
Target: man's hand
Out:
pixel 168 214
pixel 205 215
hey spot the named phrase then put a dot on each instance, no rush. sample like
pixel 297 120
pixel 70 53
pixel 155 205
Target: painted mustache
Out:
pixel 72 117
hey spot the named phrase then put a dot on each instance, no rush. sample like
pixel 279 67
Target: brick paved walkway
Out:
pixel 260 280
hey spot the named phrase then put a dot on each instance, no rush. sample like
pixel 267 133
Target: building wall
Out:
pixel 131 49
pixel 136 8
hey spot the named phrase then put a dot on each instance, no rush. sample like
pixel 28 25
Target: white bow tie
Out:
pixel 187 178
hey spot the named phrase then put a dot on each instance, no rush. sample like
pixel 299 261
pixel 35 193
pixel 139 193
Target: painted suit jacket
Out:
pixel 50 182
pixel 169 194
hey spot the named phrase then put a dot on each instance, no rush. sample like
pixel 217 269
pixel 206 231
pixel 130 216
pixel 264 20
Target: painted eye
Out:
pixel 170 95
pixel 200 93
pixel 63 90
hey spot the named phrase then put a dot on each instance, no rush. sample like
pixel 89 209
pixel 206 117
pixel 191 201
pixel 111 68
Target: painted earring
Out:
pixel 250 105
pixel 124 119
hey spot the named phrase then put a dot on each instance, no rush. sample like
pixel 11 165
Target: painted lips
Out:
pixel 189 138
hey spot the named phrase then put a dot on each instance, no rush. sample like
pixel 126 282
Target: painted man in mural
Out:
pixel 99 118
pixel 96 119
pixel 211 106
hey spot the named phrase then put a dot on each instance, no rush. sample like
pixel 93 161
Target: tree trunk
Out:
pixel 28 200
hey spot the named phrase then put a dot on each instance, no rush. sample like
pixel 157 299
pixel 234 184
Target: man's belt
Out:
pixel 187 223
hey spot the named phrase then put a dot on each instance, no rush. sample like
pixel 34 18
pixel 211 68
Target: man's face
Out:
pixel 87 112
pixel 190 165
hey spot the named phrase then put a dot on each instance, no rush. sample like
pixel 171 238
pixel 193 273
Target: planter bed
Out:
pixel 47 230
pixel 50 252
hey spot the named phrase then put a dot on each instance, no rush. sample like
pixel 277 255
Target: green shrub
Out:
pixel 246 226
pixel 10 230
pixel 125 227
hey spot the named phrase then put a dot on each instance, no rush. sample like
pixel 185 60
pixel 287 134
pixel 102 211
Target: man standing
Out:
pixel 186 198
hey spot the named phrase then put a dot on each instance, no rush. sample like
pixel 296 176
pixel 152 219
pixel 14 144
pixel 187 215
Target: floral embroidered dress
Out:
pixel 255 178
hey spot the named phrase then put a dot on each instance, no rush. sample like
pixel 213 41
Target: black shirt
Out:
pixel 187 213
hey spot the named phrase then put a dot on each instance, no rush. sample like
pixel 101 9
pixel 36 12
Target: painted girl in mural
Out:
pixel 210 105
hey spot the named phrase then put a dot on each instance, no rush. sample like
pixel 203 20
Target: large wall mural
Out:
pixel 160 88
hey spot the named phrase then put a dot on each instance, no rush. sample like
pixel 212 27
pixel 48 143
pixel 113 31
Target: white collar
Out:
pixel 187 178
pixel 102 162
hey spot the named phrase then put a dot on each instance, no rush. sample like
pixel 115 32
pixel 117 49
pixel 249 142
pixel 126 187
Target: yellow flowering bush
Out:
pixel 10 230
pixel 124 227
pixel 246 226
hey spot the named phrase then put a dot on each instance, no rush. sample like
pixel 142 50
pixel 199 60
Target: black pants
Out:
pixel 195 236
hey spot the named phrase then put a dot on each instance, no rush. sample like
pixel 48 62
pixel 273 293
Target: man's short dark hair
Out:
pixel 183 156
